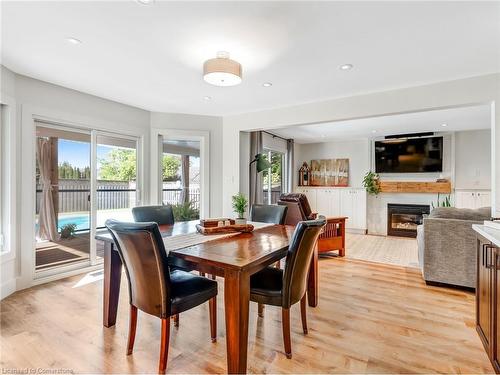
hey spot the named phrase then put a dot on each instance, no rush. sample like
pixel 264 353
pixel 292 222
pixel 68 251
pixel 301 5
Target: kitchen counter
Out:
pixel 491 234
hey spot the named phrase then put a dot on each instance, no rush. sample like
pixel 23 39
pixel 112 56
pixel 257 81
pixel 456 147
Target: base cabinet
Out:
pixel 335 202
pixel 488 299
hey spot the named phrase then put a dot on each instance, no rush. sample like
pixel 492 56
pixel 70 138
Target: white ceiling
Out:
pixel 152 56
pixel 456 119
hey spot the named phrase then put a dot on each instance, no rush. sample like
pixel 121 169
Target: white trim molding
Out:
pixel 201 136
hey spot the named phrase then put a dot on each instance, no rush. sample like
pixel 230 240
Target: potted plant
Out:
pixel 68 231
pixel 240 204
pixel 370 183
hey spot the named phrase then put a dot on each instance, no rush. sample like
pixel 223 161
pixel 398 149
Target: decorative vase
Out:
pixel 240 221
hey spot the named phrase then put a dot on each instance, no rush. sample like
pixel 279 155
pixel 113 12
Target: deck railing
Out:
pixel 74 195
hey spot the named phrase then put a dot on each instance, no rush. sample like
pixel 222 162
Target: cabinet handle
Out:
pixel 486 252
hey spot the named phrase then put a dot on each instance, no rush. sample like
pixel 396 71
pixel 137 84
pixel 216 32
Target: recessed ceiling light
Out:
pixel 444 125
pixel 207 98
pixel 145 2
pixel 323 136
pixel 74 41
pixel 346 67
pixel 374 131
pixel 267 84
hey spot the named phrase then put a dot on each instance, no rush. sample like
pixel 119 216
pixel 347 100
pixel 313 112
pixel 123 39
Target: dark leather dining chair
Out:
pixel 284 288
pixel 268 213
pixel 158 214
pixel 153 287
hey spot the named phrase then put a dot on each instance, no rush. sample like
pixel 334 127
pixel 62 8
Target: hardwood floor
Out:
pixel 371 318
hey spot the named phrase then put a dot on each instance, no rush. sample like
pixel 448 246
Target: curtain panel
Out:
pixel 256 195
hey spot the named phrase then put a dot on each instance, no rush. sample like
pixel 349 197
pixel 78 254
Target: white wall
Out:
pixel 357 151
pixel 463 92
pixel 42 100
pixel 211 124
pixel 473 159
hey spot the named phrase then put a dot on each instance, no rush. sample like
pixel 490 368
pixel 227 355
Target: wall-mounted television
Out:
pixel 409 155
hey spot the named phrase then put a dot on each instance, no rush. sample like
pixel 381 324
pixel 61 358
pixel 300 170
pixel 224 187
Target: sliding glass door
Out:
pixel 62 216
pixel 83 178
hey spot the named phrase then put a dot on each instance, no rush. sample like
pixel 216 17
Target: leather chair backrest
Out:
pixel 268 213
pixel 159 214
pixel 294 213
pixel 302 200
pixel 298 259
pixel 143 255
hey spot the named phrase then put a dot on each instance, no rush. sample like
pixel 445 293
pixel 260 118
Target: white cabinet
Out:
pixel 472 198
pixel 331 202
pixel 353 205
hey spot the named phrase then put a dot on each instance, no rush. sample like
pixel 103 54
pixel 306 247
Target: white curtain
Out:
pixel 290 151
pixel 47 228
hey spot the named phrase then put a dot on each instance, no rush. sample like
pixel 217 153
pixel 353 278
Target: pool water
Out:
pixel 82 222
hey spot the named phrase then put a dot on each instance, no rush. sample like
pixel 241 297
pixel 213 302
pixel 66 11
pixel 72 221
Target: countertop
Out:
pixel 491 234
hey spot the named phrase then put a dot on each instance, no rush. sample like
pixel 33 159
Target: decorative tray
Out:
pixel 213 226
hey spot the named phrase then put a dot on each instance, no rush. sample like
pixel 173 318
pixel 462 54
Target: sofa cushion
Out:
pixel 480 214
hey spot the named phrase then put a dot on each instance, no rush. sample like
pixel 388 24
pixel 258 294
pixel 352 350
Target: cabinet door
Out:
pixel 484 293
pixel 360 209
pixel 496 314
pixel 465 199
pixel 483 199
pixel 335 209
pixel 347 207
pixel 323 203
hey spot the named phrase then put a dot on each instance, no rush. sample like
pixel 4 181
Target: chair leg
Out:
pixel 131 329
pixel 303 316
pixel 285 322
pixel 212 306
pixel 261 310
pixel 278 264
pixel 165 338
pixel 176 320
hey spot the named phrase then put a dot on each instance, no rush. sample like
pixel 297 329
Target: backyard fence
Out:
pixel 74 195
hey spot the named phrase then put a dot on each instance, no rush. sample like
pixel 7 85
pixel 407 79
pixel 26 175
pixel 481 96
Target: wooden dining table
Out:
pixel 234 258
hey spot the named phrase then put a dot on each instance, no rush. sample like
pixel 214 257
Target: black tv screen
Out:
pixel 414 155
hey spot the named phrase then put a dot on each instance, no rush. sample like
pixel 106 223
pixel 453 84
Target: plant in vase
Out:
pixel 240 204
pixel 370 183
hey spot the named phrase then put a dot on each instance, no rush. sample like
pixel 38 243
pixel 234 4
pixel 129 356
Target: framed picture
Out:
pixel 330 172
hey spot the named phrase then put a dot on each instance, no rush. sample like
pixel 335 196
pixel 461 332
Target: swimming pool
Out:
pixel 82 219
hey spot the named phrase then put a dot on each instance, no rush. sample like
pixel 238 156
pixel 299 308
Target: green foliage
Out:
pixel 370 183
pixel 185 212
pixel 170 167
pixel 68 230
pixel 444 203
pixel 240 204
pixel 119 165
pixel 67 171
pixel 276 159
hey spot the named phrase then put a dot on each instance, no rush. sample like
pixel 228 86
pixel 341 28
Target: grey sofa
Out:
pixel 447 245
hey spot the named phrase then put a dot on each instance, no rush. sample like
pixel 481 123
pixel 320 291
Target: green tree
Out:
pixel 171 165
pixel 118 165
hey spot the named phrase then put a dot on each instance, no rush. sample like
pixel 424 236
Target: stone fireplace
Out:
pixel 402 219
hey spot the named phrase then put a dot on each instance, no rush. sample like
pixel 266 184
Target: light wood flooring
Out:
pixel 400 251
pixel 371 318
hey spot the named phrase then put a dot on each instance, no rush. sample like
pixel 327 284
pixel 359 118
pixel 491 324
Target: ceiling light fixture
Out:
pixel 74 41
pixel 267 84
pixel 207 98
pixel 145 2
pixel 374 131
pixel 222 71
pixel 346 67
pixel 444 125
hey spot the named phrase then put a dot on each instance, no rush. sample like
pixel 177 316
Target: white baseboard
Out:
pixel 7 288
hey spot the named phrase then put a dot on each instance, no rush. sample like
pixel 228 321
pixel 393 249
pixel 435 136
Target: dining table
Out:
pixel 235 257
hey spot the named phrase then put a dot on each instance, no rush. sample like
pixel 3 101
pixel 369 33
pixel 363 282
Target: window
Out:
pixel 274 180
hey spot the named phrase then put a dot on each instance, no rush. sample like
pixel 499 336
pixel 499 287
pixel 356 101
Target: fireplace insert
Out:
pixel 402 219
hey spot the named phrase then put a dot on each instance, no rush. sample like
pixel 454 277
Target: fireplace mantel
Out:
pixel 415 187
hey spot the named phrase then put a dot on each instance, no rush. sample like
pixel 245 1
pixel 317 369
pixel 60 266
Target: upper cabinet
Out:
pixel 331 202
pixel 472 198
